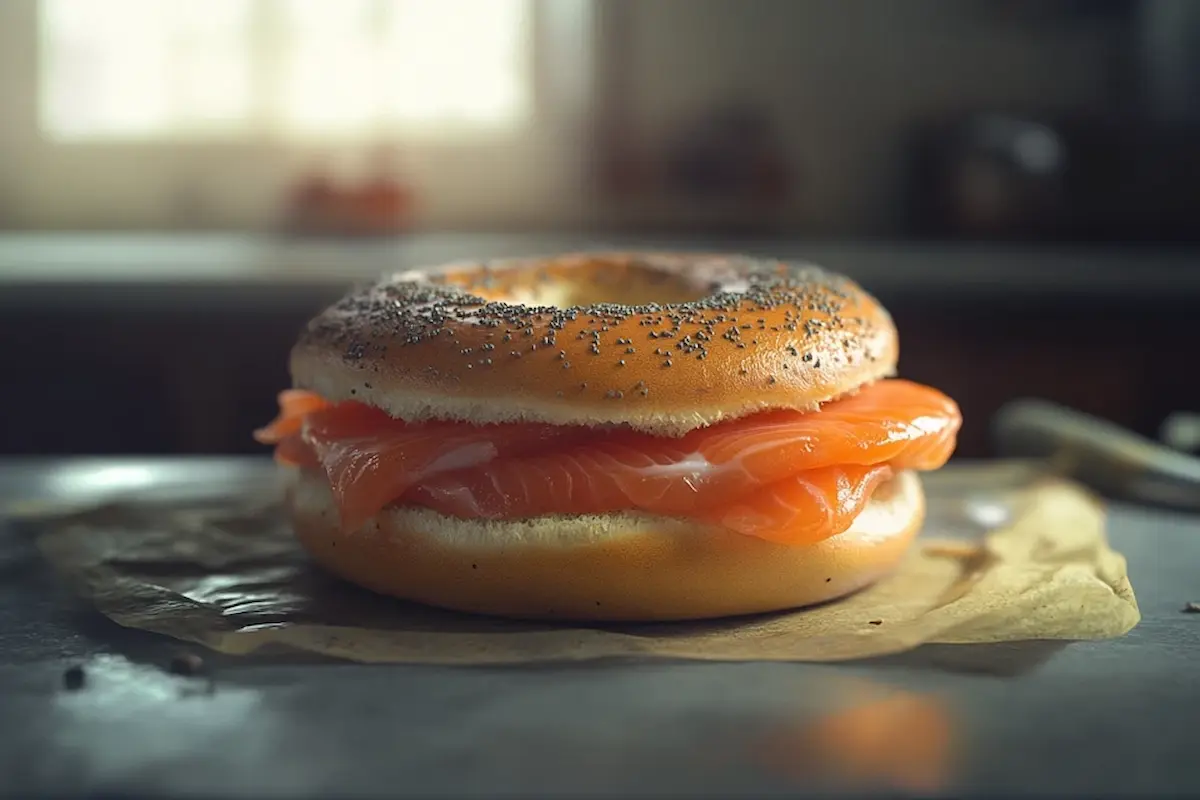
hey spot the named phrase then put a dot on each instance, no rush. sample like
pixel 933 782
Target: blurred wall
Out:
pixel 844 81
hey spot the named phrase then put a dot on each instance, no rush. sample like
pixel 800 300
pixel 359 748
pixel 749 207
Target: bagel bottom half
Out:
pixel 612 567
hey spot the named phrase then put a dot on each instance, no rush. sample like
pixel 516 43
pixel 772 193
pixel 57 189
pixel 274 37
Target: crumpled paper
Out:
pixel 1024 563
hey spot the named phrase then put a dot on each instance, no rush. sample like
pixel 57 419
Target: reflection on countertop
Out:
pixel 876 737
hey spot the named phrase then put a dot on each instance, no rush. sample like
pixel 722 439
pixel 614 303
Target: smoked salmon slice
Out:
pixel 784 462
pixel 294 406
pixel 806 508
pixel 371 459
pixel 892 420
pixel 799 476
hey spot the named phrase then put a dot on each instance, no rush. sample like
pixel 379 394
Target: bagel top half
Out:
pixel 663 343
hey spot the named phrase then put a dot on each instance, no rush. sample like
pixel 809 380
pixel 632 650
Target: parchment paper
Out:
pixel 232 579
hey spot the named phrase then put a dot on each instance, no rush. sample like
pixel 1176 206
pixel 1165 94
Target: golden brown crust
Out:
pixel 614 567
pixel 662 342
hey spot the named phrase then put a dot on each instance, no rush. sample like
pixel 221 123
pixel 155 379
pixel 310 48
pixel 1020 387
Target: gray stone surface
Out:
pixel 1086 718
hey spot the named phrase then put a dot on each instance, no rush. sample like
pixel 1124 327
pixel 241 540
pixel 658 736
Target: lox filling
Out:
pixel 784 476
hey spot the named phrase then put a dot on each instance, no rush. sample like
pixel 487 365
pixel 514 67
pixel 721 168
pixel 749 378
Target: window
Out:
pixel 180 69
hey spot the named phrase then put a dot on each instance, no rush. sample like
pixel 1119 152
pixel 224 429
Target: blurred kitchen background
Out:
pixel 183 183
